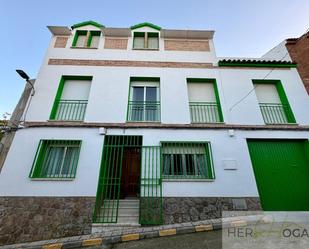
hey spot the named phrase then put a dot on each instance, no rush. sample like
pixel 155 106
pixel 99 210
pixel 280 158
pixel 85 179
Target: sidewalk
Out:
pixel 124 234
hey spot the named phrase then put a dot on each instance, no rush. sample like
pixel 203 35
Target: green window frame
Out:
pixel 68 110
pixel 150 40
pixel 144 110
pixel 56 159
pixel 187 160
pixel 276 113
pixel 203 111
pixel 89 38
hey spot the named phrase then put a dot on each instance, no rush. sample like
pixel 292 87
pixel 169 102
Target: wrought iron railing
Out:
pixel 275 113
pixel 71 110
pixel 205 112
pixel 142 111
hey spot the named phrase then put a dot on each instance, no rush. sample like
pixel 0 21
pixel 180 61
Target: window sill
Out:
pixel 146 49
pixel 83 48
pixel 208 123
pixel 188 180
pixel 52 179
pixel 65 121
pixel 143 122
pixel 282 124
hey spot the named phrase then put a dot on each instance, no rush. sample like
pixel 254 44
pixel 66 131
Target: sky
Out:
pixel 243 28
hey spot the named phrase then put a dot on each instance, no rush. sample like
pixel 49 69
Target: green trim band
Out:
pixel 146 24
pixel 93 23
pixel 238 63
pixel 144 79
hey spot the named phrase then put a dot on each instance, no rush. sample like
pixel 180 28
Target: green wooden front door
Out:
pixel 281 169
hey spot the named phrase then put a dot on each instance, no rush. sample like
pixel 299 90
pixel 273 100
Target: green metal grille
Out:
pixel 275 113
pixel 71 110
pixel 187 160
pixel 151 186
pixel 108 192
pixel 205 112
pixel 143 111
pixel 56 159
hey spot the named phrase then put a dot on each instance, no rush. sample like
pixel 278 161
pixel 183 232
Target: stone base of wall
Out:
pixel 24 219
pixel 188 209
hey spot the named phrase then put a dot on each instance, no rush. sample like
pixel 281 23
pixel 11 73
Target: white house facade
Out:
pixel 145 126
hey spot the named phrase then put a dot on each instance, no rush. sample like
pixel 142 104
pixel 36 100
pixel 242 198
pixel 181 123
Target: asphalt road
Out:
pixel 201 240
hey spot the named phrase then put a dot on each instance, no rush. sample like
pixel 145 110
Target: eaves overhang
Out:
pixel 256 63
pixel 59 30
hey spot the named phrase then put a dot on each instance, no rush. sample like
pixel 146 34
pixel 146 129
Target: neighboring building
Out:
pixel 297 50
pixel 145 125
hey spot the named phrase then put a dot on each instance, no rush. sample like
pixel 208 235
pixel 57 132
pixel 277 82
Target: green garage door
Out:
pixel 281 169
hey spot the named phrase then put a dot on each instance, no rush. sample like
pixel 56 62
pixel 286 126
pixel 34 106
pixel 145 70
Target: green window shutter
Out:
pixel 285 102
pixel 187 160
pixel 56 159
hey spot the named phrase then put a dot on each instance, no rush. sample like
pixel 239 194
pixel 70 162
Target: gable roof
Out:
pixel 145 24
pixel 93 23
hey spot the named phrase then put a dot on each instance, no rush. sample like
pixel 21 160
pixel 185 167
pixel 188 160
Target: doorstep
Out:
pixel 124 234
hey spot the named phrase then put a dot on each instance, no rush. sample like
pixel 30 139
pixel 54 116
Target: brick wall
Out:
pixel 61 41
pixel 126 63
pixel 299 52
pixel 115 43
pixel 186 45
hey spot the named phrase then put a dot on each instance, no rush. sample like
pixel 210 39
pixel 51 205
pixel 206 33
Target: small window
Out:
pixel 187 160
pixel 153 40
pixel 56 159
pixel 143 40
pixel 139 40
pixel 86 39
pixel 80 38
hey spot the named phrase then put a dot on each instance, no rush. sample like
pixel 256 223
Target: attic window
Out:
pixel 86 39
pixel 146 40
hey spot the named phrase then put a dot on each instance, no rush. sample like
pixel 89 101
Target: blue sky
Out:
pixel 243 28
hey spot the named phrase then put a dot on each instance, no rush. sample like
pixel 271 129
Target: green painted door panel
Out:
pixel 281 169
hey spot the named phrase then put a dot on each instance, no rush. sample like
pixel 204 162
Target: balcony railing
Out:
pixel 205 112
pixel 71 110
pixel 275 113
pixel 143 111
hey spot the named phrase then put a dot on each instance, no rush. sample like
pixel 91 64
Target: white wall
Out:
pixel 14 179
pixel 110 85
pixel 278 52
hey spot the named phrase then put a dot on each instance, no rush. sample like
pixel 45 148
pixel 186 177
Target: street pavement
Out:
pixel 201 240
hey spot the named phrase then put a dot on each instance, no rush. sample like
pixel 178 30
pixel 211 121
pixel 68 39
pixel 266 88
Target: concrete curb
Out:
pixel 132 234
